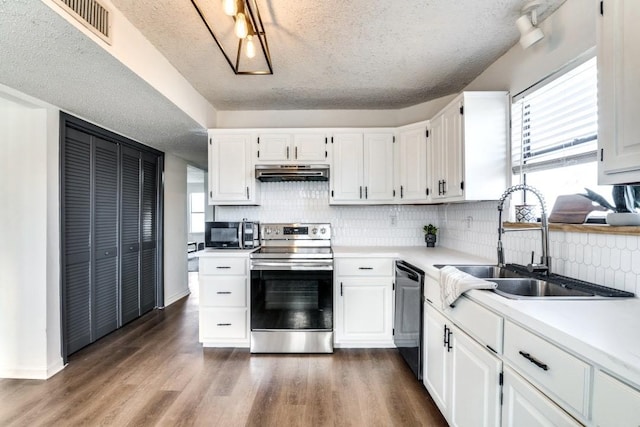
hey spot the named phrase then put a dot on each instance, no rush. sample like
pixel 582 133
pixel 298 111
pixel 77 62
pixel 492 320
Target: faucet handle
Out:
pixel 533 267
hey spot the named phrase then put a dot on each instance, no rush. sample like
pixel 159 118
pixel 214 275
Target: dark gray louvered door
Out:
pixel 130 248
pixel 105 284
pixel 76 222
pixel 149 232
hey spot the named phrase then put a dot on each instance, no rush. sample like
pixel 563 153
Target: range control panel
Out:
pixel 314 231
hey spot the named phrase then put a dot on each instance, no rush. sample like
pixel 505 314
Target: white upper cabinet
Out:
pixel 292 146
pixel 346 176
pixel 618 92
pixel 362 168
pixel 411 164
pixel 470 143
pixel 231 172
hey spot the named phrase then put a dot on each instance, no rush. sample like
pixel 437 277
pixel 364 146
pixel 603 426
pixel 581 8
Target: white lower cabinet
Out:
pixel 462 377
pixel 615 404
pixel 525 406
pixel 363 303
pixel 559 374
pixel 224 301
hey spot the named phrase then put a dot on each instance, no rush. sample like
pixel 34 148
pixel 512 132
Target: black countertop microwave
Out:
pixel 231 235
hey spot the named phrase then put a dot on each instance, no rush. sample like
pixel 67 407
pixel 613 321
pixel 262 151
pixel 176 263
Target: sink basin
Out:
pixel 534 288
pixel 486 271
pixel 515 282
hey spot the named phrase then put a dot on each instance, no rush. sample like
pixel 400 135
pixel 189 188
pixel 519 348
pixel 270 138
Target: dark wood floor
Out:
pixel 154 372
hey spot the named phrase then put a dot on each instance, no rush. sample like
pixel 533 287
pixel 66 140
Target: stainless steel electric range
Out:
pixel 292 290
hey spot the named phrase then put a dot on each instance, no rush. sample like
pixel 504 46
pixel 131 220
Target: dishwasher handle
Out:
pixel 414 275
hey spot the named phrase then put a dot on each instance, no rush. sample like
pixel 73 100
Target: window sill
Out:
pixel 580 228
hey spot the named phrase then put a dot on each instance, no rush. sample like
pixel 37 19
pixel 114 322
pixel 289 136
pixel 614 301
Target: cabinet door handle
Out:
pixel 287 153
pixel 444 339
pixel 296 153
pixel 401 191
pixel 440 187
pixel 361 191
pixel 221 267
pixel 535 361
pixel 223 293
pixel 224 324
pixel 366 192
pixel 340 288
pixel 444 186
pixel 365 268
pixel 449 346
pixel 248 194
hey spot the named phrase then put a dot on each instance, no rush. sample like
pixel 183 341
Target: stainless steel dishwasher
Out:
pixel 407 325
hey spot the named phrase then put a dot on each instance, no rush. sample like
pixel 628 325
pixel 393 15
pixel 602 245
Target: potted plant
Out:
pixel 626 200
pixel 430 235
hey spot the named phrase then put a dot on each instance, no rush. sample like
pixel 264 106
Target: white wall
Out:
pixel 176 283
pixel 330 118
pixel 29 226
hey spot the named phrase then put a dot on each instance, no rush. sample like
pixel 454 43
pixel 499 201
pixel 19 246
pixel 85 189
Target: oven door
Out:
pixel 291 297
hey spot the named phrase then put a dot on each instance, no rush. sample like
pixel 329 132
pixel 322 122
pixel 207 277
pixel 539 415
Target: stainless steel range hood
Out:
pixel 278 173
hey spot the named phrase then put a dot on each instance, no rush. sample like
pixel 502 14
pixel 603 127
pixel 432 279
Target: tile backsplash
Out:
pixel 391 225
pixel 468 227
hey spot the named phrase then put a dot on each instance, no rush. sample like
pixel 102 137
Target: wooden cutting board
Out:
pixel 572 209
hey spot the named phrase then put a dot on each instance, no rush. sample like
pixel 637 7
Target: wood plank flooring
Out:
pixel 154 372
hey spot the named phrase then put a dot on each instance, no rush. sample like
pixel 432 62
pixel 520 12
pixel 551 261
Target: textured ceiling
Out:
pixel 336 54
pixel 329 54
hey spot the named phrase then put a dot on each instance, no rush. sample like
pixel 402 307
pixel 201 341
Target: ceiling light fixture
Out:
pixel 529 33
pixel 239 33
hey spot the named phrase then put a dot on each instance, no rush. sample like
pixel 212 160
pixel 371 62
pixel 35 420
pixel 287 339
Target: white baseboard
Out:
pixel 369 344
pixel 28 373
pixel 175 297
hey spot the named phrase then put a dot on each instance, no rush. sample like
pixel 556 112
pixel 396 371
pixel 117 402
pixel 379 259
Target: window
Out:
pixel 554 135
pixel 196 214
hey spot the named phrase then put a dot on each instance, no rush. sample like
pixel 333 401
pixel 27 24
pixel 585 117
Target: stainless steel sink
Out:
pixel 487 271
pixel 533 288
pixel 515 282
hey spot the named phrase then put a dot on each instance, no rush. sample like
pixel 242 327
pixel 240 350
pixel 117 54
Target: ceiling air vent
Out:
pixel 91 14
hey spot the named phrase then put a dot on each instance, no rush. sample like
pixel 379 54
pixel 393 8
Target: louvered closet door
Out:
pixel 130 235
pixel 105 284
pixel 77 231
pixel 149 232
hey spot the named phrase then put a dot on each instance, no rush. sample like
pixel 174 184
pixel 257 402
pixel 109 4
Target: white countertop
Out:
pixel 604 332
pixel 232 253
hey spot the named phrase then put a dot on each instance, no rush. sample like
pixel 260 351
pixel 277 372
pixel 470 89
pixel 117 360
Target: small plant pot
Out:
pixel 430 239
pixel 623 218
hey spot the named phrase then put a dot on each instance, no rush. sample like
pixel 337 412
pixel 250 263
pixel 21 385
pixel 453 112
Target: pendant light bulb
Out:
pixel 251 47
pixel 241 28
pixel 230 7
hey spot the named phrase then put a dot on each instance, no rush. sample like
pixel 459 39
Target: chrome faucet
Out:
pixel 545 259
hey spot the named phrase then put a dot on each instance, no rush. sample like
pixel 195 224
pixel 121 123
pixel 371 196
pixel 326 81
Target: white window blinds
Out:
pixel 556 123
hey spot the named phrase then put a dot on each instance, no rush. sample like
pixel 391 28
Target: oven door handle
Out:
pixel 274 265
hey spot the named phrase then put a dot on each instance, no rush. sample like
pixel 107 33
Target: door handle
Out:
pixel 340 288
pixel 366 192
pixel 296 153
pixel 535 361
pixel 223 293
pixel 361 191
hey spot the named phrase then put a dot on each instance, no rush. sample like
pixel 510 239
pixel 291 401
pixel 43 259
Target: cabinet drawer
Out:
pixel 556 371
pixel 223 291
pixel 221 324
pixel 479 322
pixel 364 267
pixel 223 266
